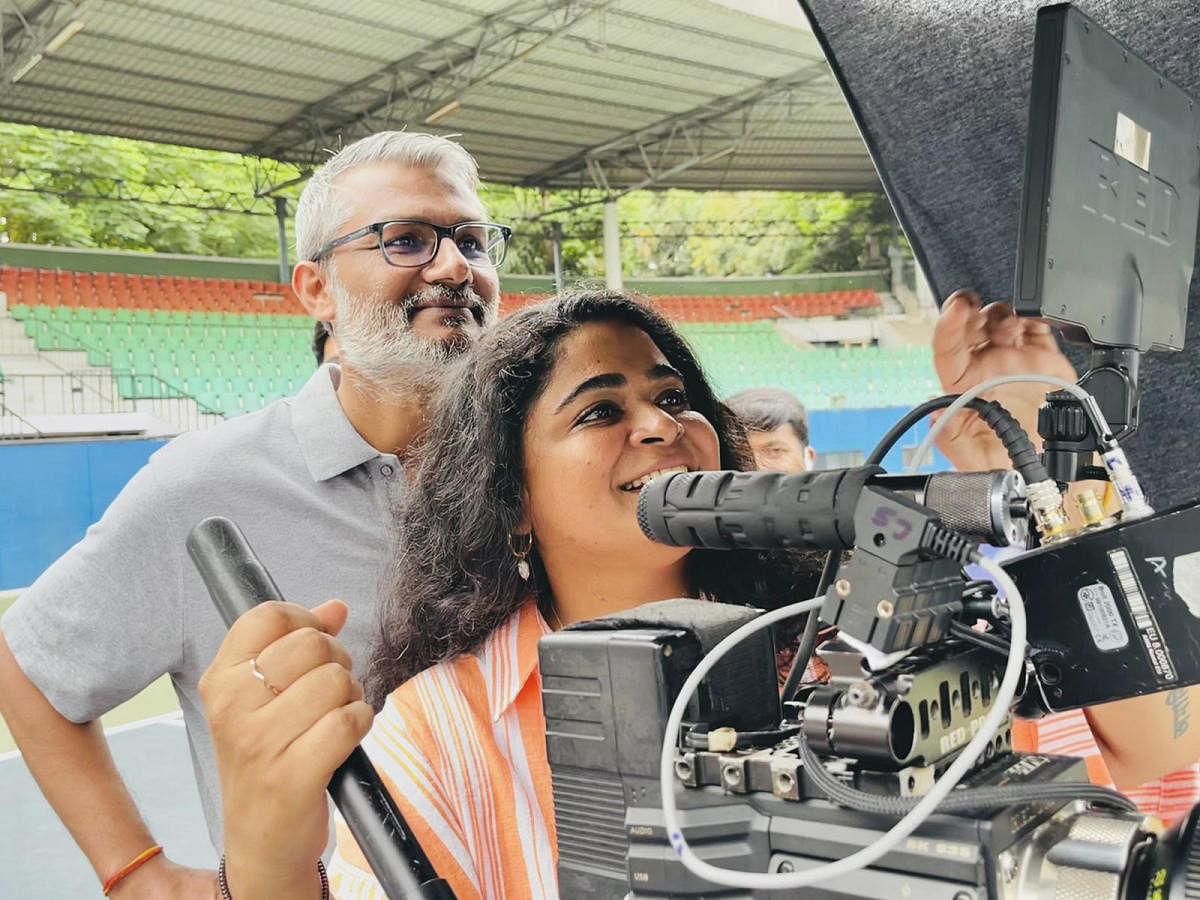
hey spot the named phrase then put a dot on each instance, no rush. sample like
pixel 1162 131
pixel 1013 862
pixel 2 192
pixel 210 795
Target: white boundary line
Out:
pixel 171 718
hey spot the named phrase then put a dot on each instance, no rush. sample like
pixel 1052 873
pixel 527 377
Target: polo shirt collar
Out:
pixel 516 641
pixel 328 442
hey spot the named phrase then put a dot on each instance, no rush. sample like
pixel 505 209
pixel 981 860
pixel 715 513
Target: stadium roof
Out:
pixel 614 94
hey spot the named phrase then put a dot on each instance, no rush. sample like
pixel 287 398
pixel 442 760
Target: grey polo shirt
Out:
pixel 125 604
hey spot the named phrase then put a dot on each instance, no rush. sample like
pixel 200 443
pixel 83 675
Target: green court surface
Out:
pixel 155 700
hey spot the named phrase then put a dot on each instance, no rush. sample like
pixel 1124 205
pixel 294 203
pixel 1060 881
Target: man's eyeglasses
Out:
pixel 410 243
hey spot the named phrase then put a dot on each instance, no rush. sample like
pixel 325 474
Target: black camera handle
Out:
pixel 238 581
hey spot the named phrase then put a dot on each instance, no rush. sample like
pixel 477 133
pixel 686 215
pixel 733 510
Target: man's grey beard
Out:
pixel 376 340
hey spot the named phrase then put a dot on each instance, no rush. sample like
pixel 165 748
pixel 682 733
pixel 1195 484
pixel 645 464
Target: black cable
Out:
pixel 959 800
pixel 808 637
pixel 981 639
pixel 979 586
pixel 907 421
pixel 1026 461
pixel 1020 449
pixel 697 738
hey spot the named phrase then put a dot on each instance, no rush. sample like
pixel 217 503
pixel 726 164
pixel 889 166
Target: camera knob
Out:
pixel 1062 418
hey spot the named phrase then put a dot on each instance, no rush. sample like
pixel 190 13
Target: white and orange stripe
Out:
pixel 1069 734
pixel 461 747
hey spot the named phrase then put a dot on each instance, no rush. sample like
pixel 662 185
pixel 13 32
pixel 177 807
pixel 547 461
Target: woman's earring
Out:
pixel 522 554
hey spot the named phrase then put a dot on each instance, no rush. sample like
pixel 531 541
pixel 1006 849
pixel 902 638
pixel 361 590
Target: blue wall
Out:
pixel 842 430
pixel 51 492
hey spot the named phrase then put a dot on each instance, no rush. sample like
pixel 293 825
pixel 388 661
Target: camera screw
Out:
pixel 1008 865
pixel 787 866
pixel 842 587
pixel 884 609
pixel 861 694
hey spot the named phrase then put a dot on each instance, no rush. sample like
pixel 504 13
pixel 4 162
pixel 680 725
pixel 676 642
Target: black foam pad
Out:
pixel 941 93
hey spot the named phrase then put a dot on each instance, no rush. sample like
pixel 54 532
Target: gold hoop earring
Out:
pixel 522 555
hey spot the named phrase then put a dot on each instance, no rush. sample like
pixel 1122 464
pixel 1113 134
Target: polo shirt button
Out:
pixel 386 470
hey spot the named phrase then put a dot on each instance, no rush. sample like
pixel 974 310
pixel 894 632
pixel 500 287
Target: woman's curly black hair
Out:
pixel 453 577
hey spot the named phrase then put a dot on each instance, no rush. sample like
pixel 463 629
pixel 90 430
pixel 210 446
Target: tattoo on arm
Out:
pixel 1178 701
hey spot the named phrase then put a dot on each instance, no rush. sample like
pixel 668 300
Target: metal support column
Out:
pixel 285 267
pixel 612 247
pixel 556 249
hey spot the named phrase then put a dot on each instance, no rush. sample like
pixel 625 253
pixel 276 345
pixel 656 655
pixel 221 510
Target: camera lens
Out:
pixel 1169 869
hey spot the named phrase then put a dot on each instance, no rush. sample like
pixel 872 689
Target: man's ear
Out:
pixel 810 458
pixel 311 285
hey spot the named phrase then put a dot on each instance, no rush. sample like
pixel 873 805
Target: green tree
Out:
pixel 49 181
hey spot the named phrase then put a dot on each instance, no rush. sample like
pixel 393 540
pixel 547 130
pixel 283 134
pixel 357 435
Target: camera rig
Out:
pixel 762 783
pixel 764 786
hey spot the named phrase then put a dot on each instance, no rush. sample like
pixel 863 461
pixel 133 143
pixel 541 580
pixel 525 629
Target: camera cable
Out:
pixel 898 832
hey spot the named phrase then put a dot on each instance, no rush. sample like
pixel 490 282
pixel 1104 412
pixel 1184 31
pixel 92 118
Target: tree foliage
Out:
pixel 669 232
pixel 69 167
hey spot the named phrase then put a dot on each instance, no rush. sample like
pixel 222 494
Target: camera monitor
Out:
pixel 1107 233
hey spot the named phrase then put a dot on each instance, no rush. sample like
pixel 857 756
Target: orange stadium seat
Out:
pixel 116 290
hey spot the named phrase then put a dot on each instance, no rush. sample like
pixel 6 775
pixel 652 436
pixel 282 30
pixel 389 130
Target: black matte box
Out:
pixel 1107 233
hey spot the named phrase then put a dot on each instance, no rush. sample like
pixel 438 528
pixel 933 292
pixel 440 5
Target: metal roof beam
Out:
pixel 24 36
pixel 409 90
pixel 706 133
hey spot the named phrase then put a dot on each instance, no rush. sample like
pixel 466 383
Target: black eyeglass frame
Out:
pixel 442 231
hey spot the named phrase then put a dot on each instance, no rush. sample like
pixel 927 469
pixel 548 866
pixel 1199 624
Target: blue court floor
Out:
pixel 39 860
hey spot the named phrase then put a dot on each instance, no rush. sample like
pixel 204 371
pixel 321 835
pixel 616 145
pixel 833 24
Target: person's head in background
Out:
pixel 776 426
pixel 324 345
pixel 397 256
pixel 529 483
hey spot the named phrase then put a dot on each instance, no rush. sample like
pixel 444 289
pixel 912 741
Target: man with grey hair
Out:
pixel 398 257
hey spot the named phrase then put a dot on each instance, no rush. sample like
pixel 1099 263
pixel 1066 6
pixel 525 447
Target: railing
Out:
pixel 101 393
pixel 14 343
pixel 13 424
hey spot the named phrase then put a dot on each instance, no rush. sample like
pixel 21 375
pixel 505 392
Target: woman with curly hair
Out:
pixel 521 520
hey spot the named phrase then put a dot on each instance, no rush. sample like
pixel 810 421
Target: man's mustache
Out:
pixel 438 295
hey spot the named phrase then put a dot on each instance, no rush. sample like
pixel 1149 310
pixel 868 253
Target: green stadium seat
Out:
pixel 124 380
pixel 141 360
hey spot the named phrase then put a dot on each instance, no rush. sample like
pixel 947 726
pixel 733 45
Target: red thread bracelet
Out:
pixel 136 863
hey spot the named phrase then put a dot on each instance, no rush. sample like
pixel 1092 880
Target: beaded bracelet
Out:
pixel 223 883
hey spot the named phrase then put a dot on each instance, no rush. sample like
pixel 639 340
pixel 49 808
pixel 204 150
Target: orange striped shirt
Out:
pixel 462 749
pixel 1069 734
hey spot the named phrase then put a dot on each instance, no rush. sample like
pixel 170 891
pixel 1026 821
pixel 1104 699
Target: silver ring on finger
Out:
pixel 257 673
